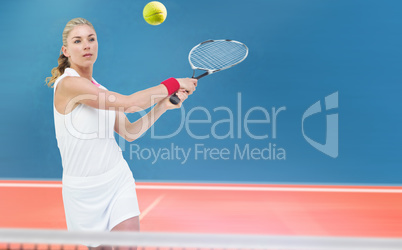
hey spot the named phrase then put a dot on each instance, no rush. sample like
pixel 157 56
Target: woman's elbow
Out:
pixel 130 139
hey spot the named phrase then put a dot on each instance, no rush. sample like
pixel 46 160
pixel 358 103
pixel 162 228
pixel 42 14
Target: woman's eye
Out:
pixel 77 41
pixel 92 39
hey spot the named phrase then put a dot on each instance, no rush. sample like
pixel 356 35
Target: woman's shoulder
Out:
pixel 68 72
pixel 74 82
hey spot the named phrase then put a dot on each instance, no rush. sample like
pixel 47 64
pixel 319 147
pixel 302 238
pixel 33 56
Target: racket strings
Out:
pixel 218 55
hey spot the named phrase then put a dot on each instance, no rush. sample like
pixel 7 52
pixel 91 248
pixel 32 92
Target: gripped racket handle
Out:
pixel 174 99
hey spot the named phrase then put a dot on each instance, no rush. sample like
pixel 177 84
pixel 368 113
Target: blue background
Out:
pixel 300 52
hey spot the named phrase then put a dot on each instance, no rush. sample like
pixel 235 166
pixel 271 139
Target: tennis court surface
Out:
pixel 283 210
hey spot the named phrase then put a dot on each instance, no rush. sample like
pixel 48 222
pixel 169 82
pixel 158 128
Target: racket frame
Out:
pixel 209 71
pixel 174 98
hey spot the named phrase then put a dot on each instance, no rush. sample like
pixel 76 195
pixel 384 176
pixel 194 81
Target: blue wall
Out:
pixel 300 53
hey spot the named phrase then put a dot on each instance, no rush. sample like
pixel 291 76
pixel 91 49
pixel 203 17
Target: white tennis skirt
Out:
pixel 99 203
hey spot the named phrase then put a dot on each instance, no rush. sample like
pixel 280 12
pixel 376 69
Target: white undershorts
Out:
pixel 99 203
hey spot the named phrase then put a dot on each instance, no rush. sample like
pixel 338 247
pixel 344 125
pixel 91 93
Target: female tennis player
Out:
pixel 98 185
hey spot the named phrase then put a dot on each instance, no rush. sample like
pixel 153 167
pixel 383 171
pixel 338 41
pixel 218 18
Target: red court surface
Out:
pixel 357 211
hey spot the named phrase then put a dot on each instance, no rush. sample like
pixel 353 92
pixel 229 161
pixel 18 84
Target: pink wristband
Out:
pixel 172 85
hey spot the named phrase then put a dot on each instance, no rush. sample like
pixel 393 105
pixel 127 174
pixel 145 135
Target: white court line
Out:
pixel 226 188
pixel 150 207
pixel 31 185
pixel 274 189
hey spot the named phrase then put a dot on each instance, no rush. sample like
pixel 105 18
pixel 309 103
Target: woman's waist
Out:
pixel 88 157
pixel 92 180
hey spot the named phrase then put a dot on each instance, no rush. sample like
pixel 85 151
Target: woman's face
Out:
pixel 82 46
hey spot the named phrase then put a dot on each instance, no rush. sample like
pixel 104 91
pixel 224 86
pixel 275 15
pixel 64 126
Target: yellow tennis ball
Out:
pixel 154 13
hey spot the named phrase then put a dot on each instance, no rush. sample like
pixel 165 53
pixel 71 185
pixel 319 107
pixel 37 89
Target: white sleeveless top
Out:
pixel 85 137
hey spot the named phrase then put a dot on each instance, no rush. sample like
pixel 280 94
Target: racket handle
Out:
pixel 174 99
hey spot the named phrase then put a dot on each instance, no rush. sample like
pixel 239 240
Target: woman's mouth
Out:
pixel 88 55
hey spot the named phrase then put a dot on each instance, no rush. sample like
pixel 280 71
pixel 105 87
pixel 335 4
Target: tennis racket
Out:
pixel 212 56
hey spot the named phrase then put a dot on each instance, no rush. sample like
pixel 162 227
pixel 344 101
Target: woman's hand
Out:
pixel 187 84
pixel 182 94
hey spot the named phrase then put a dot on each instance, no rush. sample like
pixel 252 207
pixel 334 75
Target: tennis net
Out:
pixel 57 239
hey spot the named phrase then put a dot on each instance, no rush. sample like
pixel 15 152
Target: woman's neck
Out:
pixel 85 72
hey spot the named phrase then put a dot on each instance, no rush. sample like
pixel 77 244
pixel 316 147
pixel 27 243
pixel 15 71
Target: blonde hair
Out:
pixel 63 60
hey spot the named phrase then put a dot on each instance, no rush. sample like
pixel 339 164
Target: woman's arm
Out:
pixel 72 91
pixel 132 131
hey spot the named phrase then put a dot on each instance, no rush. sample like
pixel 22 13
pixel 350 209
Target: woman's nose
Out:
pixel 86 45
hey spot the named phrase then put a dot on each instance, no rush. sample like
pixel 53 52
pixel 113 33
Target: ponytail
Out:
pixel 58 71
